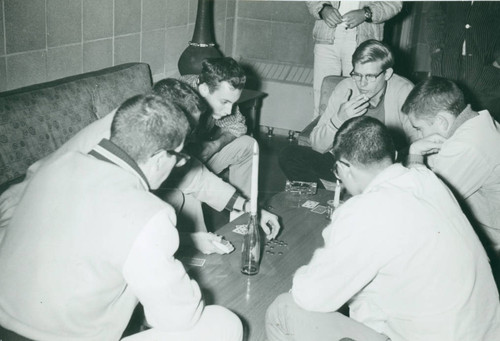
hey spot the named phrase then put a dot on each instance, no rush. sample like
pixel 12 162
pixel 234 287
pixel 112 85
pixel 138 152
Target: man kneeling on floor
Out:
pixel 88 241
pixel 400 252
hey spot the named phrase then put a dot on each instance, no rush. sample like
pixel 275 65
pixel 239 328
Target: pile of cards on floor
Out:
pixel 314 206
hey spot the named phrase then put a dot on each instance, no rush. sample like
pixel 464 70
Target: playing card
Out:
pixel 241 229
pixel 310 204
pixel 320 209
pixel 192 261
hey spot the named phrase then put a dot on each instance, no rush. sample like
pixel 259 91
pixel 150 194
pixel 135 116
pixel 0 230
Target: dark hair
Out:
pixel 145 124
pixel 187 98
pixel 433 95
pixel 363 141
pixel 373 51
pixel 217 70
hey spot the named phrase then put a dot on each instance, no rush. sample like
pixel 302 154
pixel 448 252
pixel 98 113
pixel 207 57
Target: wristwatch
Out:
pixel 368 14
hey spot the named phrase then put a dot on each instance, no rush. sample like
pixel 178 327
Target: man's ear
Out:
pixel 388 73
pixel 203 89
pixel 444 120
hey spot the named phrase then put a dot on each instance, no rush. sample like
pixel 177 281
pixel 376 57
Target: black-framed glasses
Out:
pixel 370 78
pixel 181 157
pixel 335 169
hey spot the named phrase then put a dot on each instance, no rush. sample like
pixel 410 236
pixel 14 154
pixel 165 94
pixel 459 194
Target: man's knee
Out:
pixel 224 323
pixel 244 145
pixel 281 303
pixel 277 317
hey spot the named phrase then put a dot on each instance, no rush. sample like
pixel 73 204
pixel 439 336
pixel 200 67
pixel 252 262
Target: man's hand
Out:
pixel 353 18
pixel 204 242
pixel 331 16
pixel 428 145
pixel 353 107
pixel 269 223
pixel 208 149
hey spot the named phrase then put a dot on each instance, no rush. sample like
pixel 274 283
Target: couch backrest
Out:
pixel 36 120
pixel 329 83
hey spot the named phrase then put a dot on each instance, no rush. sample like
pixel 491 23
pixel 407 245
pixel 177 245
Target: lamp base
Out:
pixel 190 60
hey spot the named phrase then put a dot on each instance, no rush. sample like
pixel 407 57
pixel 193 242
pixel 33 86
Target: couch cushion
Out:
pixel 36 120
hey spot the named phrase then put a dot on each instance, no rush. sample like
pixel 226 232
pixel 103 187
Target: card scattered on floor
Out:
pixel 241 229
pixel 192 261
pixel 319 209
pixel 310 204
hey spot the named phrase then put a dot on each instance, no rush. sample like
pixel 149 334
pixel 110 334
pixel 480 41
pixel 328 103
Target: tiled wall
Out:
pixel 278 31
pixel 42 40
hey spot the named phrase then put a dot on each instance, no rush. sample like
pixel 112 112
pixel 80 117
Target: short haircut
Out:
pixel 182 94
pixel 363 141
pixel 217 70
pixel 433 95
pixel 145 124
pixel 373 51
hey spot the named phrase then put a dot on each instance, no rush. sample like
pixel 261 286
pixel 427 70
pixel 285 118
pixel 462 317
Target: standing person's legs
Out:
pixel 300 163
pixel 216 324
pixel 347 48
pixel 237 155
pixel 285 320
pixel 327 62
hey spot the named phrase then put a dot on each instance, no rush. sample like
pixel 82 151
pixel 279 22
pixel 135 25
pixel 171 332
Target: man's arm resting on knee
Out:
pixel 219 141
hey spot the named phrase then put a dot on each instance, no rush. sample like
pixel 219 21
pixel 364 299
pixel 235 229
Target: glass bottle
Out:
pixel 250 254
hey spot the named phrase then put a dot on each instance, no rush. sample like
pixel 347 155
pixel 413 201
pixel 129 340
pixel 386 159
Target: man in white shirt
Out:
pixel 189 185
pixel 461 146
pixel 400 253
pixel 88 240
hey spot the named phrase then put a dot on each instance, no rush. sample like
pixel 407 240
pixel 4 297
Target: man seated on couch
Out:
pixel 222 142
pixel 88 241
pixel 373 90
pixel 193 182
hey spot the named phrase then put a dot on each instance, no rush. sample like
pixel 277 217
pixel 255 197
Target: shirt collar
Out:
pixel 463 117
pixel 387 174
pixel 375 100
pixel 110 152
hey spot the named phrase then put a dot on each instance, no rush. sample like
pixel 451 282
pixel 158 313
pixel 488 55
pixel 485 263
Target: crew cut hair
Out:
pixel 363 141
pixel 217 70
pixel 433 95
pixel 144 124
pixel 373 51
pixel 183 95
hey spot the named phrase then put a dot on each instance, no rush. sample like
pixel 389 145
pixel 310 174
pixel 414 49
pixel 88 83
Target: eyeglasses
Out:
pixel 335 169
pixel 370 78
pixel 181 157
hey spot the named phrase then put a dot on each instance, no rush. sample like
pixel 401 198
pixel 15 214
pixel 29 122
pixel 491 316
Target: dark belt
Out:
pixel 7 335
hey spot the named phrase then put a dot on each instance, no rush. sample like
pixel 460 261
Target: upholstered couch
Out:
pixel 329 83
pixel 36 120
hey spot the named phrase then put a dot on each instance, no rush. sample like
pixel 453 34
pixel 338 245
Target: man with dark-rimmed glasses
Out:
pixel 372 90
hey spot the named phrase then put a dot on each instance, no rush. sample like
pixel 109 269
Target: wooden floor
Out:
pixel 271 181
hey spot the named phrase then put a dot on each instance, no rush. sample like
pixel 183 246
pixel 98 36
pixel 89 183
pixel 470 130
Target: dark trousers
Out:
pixel 301 163
pixel 7 335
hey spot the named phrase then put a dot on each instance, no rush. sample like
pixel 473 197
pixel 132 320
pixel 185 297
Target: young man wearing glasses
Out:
pixel 88 241
pixel 400 253
pixel 186 187
pixel 372 90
